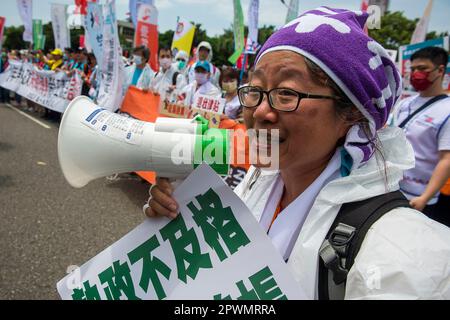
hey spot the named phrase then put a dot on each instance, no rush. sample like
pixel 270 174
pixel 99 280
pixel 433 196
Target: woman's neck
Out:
pixel 297 180
pixel 230 95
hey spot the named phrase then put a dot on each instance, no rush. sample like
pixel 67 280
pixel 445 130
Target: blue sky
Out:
pixel 217 15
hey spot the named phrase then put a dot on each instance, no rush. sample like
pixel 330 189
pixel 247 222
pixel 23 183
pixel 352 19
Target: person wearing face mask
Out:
pixel 229 83
pixel 181 61
pixel 168 81
pixel 205 53
pixel 139 74
pixel 425 120
pixel 201 85
pixel 336 158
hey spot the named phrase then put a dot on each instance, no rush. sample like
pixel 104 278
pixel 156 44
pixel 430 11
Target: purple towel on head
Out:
pixel 334 39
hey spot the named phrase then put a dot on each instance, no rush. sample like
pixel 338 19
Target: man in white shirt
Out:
pixel 428 130
pixel 200 85
pixel 168 81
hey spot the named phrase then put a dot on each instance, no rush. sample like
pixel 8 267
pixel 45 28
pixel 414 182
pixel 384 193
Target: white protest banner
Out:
pixel 209 103
pixel 50 89
pixel 252 39
pixel 26 13
pixel 134 8
pixel 11 78
pixel 94 28
pixel 292 10
pixel 420 32
pixel 215 249
pixel 110 92
pixel 59 23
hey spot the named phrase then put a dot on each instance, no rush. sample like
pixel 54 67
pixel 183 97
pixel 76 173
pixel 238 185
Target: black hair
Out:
pixel 228 73
pixel 165 49
pixel 145 51
pixel 436 55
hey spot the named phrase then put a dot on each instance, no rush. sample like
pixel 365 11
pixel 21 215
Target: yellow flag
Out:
pixel 184 35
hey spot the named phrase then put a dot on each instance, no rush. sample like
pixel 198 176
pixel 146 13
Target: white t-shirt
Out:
pixel 428 132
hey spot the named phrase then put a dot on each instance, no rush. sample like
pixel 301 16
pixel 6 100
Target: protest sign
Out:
pixel 2 25
pixel 26 13
pixel 37 32
pixel 209 103
pixel 238 28
pixel 292 10
pixel 111 69
pixel 94 27
pixel 147 32
pixel 53 90
pixel 183 36
pixel 59 24
pixel 134 7
pixel 214 249
pixel 252 39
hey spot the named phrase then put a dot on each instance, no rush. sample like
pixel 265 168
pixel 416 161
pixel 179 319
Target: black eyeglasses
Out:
pixel 282 99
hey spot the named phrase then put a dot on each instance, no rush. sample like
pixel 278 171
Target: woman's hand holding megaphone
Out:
pixel 161 202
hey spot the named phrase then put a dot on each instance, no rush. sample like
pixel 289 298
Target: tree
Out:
pixel 14 38
pixel 396 30
pixel 49 38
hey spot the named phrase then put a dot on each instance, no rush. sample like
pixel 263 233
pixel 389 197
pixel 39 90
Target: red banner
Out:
pixel 147 32
pixel 2 24
pixel 81 7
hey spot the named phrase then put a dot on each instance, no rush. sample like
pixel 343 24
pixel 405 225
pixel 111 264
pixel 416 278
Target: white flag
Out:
pixel 292 11
pixel 26 13
pixel 110 92
pixel 421 30
pixel 252 38
pixel 59 24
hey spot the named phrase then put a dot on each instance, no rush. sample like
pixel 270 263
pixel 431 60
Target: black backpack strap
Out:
pixel 345 237
pixel 174 77
pixel 425 105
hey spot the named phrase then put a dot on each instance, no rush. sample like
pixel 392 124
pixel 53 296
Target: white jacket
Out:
pixel 405 255
pixel 145 79
pixel 191 90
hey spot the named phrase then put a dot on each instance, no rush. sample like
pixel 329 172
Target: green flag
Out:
pixel 40 43
pixel 238 26
pixel 37 32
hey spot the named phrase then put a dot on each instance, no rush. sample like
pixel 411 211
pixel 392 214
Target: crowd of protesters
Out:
pixel 178 79
pixel 181 77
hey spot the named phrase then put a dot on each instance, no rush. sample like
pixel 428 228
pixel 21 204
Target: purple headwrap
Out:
pixel 334 39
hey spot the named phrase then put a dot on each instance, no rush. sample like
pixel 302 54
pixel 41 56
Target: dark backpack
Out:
pixel 344 239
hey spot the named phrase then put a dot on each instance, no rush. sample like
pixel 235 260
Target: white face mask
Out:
pixel 201 78
pixel 137 59
pixel 165 63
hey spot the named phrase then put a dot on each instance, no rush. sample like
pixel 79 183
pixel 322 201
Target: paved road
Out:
pixel 46 225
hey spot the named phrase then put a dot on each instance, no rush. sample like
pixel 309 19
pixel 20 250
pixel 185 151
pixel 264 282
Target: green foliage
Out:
pixel 13 38
pixel 396 30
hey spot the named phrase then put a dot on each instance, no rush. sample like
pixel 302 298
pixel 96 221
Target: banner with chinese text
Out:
pixel 214 249
pixel 53 90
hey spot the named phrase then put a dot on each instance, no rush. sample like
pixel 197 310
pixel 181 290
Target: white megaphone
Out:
pixel 94 142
